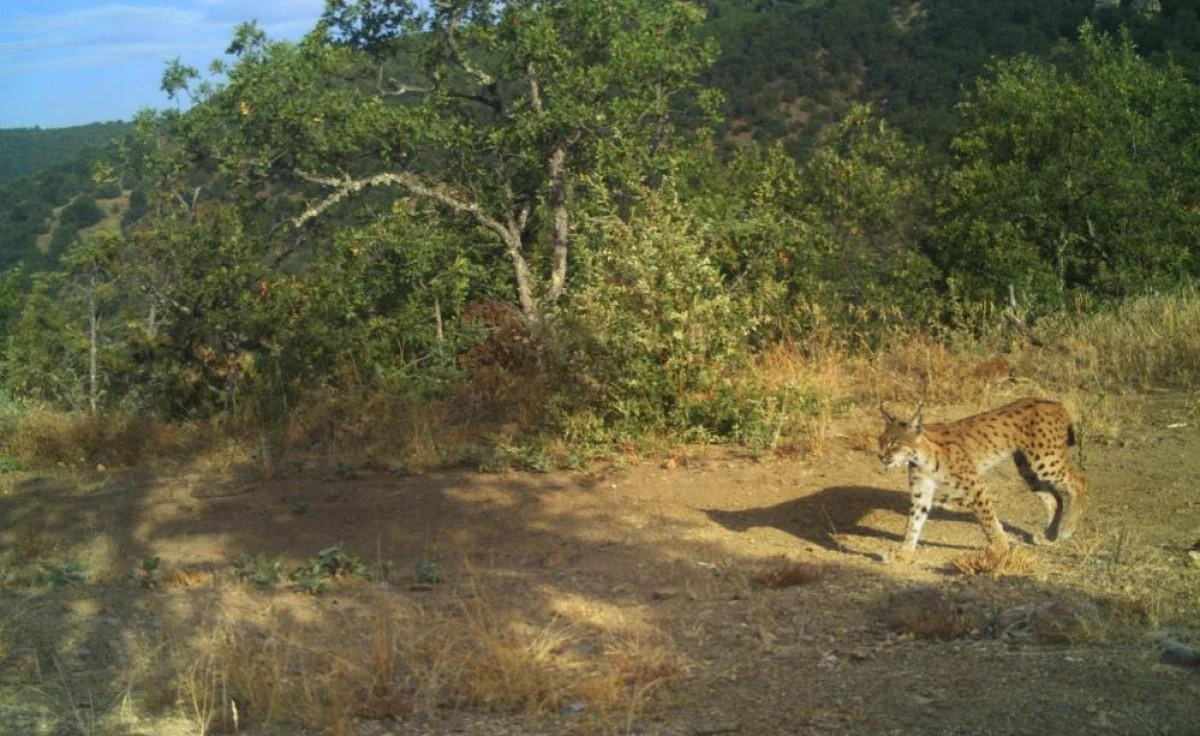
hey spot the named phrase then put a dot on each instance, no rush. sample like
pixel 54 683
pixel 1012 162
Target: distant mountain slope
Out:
pixel 30 150
pixel 788 67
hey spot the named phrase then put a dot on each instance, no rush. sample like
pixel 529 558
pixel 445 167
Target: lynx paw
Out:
pixel 900 556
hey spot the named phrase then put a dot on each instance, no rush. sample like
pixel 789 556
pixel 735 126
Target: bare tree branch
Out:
pixel 455 16
pixel 345 186
pixel 394 88
pixel 535 89
pixel 510 233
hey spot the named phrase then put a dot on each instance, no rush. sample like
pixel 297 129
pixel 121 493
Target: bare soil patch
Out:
pixel 715 593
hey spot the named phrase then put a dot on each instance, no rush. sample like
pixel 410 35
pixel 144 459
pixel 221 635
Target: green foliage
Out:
pixel 47 347
pixel 258 568
pixel 50 355
pixel 82 212
pixel 650 329
pixel 521 211
pixel 146 573
pixel 1081 176
pixel 320 571
pixel 482 122
pixel 61 574
pixel 426 572
pixel 832 240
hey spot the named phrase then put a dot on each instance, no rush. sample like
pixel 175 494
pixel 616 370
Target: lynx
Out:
pixel 1034 432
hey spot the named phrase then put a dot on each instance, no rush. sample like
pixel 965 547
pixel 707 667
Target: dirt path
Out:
pixel 676 547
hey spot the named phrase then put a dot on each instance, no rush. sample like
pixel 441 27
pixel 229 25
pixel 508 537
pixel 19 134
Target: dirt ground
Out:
pixel 675 544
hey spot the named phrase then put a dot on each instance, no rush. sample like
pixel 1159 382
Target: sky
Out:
pixel 72 62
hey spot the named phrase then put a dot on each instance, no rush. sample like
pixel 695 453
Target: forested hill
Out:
pixel 30 150
pixel 788 67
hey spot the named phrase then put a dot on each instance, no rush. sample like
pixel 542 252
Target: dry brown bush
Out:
pixel 996 562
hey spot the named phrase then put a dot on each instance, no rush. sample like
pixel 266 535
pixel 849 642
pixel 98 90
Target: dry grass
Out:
pixel 384 426
pixel 42 437
pixel 1092 363
pixel 397 657
pixel 996 562
pixel 1147 342
pixel 788 573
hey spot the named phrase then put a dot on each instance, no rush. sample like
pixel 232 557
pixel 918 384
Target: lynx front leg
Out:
pixel 921 489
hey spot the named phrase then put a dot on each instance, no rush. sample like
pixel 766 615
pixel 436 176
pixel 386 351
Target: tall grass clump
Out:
pixel 1139 343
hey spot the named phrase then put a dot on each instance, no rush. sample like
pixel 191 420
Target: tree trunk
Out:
pixel 561 222
pixel 93 347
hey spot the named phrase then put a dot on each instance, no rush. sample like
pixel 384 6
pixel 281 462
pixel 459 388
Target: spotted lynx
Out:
pixel 1034 432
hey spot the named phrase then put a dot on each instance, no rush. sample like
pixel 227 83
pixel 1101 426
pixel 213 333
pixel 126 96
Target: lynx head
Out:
pixel 898 443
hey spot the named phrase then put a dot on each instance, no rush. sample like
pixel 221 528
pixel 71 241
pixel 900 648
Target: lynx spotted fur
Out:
pixel 1034 432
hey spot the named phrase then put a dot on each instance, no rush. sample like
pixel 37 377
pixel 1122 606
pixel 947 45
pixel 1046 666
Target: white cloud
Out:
pixel 118 32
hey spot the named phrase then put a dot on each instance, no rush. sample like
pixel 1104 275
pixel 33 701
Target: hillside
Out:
pixel 787 68
pixel 41 213
pixel 32 150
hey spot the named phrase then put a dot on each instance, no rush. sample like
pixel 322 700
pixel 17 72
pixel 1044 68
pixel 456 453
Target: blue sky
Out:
pixel 70 62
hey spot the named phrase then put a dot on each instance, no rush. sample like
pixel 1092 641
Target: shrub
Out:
pixel 651 338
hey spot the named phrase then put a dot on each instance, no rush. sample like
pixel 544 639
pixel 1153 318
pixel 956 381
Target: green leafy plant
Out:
pixel 258 568
pixel 426 572
pixel 317 574
pixel 61 574
pixel 146 573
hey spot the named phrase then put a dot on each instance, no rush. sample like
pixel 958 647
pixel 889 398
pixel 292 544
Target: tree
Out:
pixel 59 350
pixel 484 114
pixel 836 238
pixel 1082 176
pixel 91 264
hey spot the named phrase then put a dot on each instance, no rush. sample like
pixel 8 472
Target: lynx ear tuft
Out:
pixel 917 420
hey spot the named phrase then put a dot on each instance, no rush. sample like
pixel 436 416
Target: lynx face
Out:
pixel 898 445
pixel 1034 432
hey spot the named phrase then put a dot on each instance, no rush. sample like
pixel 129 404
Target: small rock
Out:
pixel 860 654
pixel 1174 652
pixel 1050 622
pixel 573 708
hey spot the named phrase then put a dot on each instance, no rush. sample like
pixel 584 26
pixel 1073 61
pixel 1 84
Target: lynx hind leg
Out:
pixel 1070 485
pixel 1059 485
pixel 1047 494
pixel 992 528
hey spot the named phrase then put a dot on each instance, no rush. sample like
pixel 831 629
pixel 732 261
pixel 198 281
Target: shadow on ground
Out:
pixel 825 517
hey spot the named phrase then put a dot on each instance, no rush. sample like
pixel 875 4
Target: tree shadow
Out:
pixel 825 517
pixel 529 550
